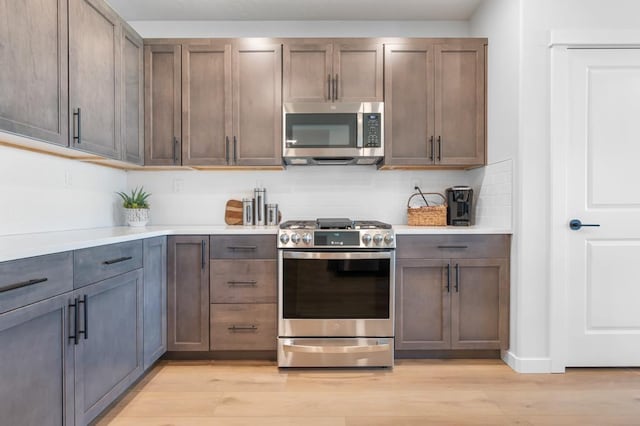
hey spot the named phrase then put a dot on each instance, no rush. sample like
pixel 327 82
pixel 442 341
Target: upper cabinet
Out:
pixel 94 78
pixel 435 103
pixel 75 76
pixel 337 70
pixel 33 81
pixel 132 96
pixel 213 103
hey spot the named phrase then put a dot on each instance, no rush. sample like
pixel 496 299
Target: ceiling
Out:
pixel 286 10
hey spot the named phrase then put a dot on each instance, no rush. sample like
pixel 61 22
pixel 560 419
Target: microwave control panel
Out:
pixel 371 135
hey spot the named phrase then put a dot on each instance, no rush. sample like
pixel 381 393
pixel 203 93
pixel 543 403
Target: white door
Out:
pixel 603 187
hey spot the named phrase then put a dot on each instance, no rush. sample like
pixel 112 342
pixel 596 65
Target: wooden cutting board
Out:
pixel 233 212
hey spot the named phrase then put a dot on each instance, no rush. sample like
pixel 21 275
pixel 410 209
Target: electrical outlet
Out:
pixel 178 185
pixel 68 178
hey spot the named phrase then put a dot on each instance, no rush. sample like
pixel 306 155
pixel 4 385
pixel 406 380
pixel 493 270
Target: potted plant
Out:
pixel 136 206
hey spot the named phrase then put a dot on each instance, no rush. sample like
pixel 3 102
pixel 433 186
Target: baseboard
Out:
pixel 527 365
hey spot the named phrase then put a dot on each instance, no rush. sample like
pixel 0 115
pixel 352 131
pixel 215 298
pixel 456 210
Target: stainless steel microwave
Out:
pixel 333 133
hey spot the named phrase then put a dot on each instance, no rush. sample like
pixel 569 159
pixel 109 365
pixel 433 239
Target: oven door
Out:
pixel 336 294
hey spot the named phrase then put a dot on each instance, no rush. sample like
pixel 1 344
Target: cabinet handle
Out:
pixel 76 319
pixel 235 149
pixel 78 138
pixel 432 147
pixel 335 89
pixel 235 328
pixel 84 302
pixel 453 247
pixel 439 148
pixel 251 283
pixel 242 247
pixel 118 260
pixel 176 142
pixel 202 250
pixel 226 152
pixel 448 278
pixel 457 278
pixel 23 284
pixel 328 87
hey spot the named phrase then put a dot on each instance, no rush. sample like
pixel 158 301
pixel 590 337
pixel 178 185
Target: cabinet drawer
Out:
pixel 95 264
pixel 243 247
pixel 30 280
pixel 243 281
pixel 452 246
pixel 238 327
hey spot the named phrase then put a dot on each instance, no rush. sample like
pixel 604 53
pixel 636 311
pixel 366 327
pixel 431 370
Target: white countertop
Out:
pixel 28 245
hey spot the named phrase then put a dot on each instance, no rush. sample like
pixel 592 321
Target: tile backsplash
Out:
pixel 494 200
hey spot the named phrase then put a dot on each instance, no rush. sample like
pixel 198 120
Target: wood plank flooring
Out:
pixel 415 392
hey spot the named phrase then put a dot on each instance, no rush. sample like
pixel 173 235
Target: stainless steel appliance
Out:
pixel 336 293
pixel 333 133
pixel 459 205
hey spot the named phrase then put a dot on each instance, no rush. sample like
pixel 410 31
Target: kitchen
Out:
pixel 55 194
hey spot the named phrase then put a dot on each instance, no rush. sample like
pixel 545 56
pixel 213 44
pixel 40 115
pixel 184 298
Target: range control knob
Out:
pixel 284 238
pixel 366 239
pixel 306 238
pixel 377 239
pixel 388 239
pixel 295 238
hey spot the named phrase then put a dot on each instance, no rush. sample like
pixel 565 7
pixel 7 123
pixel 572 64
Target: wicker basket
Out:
pixel 427 215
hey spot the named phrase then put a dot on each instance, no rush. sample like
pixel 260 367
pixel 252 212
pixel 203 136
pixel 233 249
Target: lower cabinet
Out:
pixel 243 293
pixel 188 293
pixel 457 302
pixel 107 341
pixel 36 365
pixel 155 299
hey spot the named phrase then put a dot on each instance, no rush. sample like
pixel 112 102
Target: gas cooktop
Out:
pixel 334 223
pixel 336 233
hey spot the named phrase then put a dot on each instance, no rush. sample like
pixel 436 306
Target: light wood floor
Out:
pixel 424 392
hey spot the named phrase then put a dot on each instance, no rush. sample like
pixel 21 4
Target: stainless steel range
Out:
pixel 336 293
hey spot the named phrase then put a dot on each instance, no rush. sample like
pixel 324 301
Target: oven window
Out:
pixel 321 130
pixel 336 289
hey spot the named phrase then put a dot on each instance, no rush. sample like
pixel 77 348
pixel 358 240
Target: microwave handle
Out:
pixel 360 130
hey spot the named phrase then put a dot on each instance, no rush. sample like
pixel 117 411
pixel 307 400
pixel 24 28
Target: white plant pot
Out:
pixel 137 217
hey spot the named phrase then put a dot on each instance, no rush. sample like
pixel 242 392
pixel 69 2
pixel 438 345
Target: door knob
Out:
pixel 576 224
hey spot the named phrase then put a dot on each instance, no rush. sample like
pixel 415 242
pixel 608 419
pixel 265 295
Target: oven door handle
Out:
pixel 337 349
pixel 336 255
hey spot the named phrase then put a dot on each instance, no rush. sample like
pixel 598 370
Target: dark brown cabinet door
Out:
pixel 36 364
pixel 308 72
pixel 94 78
pixel 357 71
pixel 422 304
pixel 108 357
pixel 163 104
pixel 188 293
pixel 409 127
pixel 257 105
pixel 33 80
pixel 460 103
pixel 480 304
pixel 206 104
pixel 132 95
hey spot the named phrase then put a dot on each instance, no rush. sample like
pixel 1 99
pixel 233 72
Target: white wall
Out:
pixel 161 29
pixel 199 197
pixel 42 193
pixel 538 18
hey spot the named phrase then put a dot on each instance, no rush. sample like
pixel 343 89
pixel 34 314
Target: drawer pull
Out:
pixel 23 284
pixel 242 247
pixel 453 247
pixel 242 283
pixel 236 328
pixel 118 260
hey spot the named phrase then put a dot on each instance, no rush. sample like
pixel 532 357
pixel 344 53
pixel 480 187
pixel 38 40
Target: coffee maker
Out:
pixel 460 202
